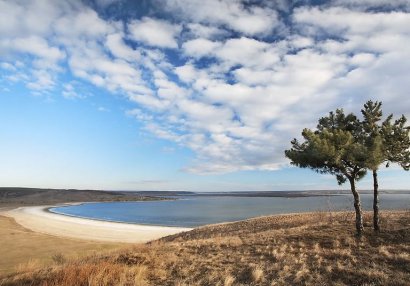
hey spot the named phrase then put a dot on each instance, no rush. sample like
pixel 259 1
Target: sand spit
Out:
pixel 38 219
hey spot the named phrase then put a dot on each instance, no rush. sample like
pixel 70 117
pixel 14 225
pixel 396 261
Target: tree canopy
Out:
pixel 346 147
pixel 336 148
pixel 332 148
pixel 386 143
pixel 397 141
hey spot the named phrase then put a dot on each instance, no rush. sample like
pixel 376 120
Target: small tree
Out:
pixel 396 138
pixel 334 148
pixel 376 149
pixel 386 143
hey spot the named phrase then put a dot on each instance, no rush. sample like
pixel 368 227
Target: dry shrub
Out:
pixel 383 250
pixel 301 275
pixel 229 280
pixel 58 258
pixel 257 274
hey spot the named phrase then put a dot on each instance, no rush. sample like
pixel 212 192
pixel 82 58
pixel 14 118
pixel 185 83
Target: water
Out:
pixel 193 211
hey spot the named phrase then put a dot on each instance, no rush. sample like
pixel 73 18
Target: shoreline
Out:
pixel 40 219
pixel 47 209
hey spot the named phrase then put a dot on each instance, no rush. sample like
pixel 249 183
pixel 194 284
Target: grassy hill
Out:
pixel 32 196
pixel 300 249
pixel 22 248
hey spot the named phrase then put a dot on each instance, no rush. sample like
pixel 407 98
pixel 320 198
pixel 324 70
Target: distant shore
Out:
pixel 18 197
pixel 39 219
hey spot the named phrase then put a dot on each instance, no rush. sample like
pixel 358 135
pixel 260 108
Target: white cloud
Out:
pixel 366 4
pixel 83 23
pixel 44 60
pixel 203 31
pixel 42 81
pixel 69 91
pixel 35 46
pixel 248 52
pixel 341 21
pixel 29 18
pixel 199 47
pixel 273 84
pixel 373 44
pixel 253 77
pixel 234 92
pixel 186 73
pixel 251 20
pixel 155 32
pixel 166 89
pixel 242 51
pixel 118 48
pixel 90 62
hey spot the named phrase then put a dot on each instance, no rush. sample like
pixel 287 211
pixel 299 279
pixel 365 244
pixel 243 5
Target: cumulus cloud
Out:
pixel 373 46
pixel 35 46
pixel 29 18
pixel 235 15
pixel 226 79
pixel 372 4
pixel 115 43
pixel 155 32
pixel 71 35
pixel 204 31
pixel 345 22
pixel 199 47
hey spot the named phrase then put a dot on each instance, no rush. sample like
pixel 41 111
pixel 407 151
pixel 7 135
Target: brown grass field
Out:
pixel 300 249
pixel 21 248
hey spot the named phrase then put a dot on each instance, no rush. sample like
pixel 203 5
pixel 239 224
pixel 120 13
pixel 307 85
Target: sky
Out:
pixel 189 95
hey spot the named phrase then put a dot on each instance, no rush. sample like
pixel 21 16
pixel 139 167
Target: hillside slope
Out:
pixel 301 249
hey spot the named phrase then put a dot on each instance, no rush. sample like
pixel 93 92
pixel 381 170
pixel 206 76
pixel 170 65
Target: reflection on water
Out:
pixel 195 211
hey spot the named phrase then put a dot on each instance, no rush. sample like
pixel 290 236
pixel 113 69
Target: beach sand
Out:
pixel 38 219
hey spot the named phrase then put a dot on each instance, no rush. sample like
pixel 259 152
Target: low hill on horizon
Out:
pixel 12 196
pixel 22 196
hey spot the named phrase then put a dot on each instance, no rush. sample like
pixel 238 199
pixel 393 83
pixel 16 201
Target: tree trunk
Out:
pixel 376 225
pixel 357 207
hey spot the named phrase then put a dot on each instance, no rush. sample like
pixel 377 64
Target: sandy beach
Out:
pixel 38 219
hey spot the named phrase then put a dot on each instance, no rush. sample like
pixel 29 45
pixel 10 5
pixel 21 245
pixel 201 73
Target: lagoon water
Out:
pixel 193 211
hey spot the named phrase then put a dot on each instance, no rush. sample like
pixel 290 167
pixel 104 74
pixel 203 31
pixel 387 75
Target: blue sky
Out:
pixel 189 95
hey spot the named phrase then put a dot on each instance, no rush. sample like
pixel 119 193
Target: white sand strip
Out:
pixel 39 220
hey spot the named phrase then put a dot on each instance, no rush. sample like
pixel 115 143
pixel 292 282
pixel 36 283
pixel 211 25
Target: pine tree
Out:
pixel 376 153
pixel 396 138
pixel 336 148
pixel 386 143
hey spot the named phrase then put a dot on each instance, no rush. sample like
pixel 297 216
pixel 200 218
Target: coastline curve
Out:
pixel 39 219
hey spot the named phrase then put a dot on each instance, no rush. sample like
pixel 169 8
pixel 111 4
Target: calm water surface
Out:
pixel 193 211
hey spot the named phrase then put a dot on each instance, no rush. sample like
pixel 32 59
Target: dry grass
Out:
pixel 305 249
pixel 22 250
